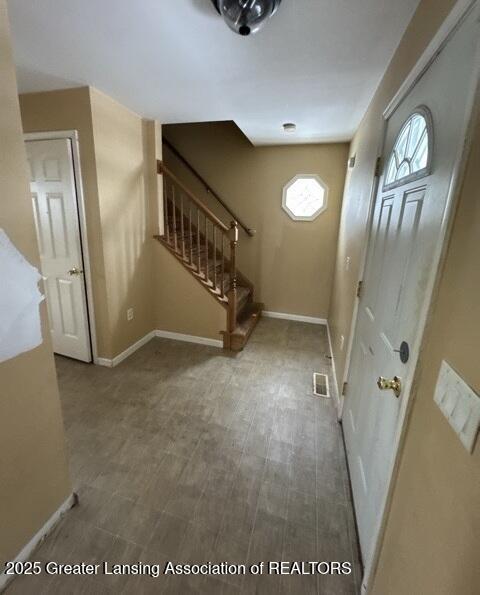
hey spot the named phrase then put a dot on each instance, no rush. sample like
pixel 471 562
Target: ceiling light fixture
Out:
pixel 289 127
pixel 246 16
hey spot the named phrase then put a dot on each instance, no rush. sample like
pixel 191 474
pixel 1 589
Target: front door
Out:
pixel 58 231
pixel 423 139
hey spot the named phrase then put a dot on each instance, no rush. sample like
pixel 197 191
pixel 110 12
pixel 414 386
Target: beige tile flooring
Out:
pixel 184 453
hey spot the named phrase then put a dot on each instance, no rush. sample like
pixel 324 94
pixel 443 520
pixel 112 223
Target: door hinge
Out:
pixel 359 289
pixel 344 389
pixel 378 167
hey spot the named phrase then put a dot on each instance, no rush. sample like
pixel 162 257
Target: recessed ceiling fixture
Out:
pixel 246 16
pixel 289 127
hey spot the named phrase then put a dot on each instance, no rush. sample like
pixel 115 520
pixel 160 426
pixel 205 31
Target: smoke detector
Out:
pixel 246 16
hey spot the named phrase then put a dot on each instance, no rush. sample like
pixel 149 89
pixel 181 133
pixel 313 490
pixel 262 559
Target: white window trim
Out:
pixel 425 171
pixel 290 183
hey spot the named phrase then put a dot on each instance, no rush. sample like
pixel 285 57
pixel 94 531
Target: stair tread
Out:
pixel 209 273
pixel 243 291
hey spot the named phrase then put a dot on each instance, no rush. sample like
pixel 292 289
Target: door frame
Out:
pixel 438 42
pixel 72 135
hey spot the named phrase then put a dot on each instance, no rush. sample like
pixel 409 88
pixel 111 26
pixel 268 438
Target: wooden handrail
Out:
pixel 249 231
pixel 163 169
pixel 195 242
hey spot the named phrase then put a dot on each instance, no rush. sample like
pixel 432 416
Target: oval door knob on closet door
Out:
pixel 75 271
pixel 395 384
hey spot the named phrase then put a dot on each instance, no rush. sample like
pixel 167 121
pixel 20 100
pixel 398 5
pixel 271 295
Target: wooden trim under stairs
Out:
pixel 207 248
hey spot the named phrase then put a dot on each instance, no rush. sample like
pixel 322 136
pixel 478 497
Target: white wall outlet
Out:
pixel 130 314
pixel 347 263
pixel 342 342
pixel 459 404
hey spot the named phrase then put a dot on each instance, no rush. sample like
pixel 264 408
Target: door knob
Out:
pixel 395 384
pixel 75 271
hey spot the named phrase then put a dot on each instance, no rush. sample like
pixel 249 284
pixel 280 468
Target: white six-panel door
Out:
pixel 57 222
pixel 407 220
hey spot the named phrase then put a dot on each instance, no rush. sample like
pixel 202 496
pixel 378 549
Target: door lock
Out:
pixel 395 384
pixel 75 271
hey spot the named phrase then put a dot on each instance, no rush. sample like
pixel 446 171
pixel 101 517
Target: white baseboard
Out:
pixel 111 363
pixel 47 528
pixel 189 338
pixel 337 394
pixel 294 317
pixel 103 361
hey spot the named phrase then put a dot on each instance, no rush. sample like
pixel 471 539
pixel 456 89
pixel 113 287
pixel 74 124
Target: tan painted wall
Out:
pixel 289 262
pixel 127 229
pixel 70 109
pixel 182 305
pixel 114 154
pixel 431 542
pixel 118 152
pixel 34 479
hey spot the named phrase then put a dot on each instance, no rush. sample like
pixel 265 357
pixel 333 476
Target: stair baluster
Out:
pixel 222 280
pixel 232 294
pixel 199 262
pixel 175 240
pixel 189 221
pixel 214 258
pixel 166 230
pixel 182 226
pixel 206 250
pixel 190 241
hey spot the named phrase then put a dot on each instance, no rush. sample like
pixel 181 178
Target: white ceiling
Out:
pixel 316 63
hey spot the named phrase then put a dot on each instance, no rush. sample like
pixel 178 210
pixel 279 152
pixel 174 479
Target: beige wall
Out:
pixel 431 542
pixel 289 262
pixel 118 152
pixel 127 229
pixel 34 479
pixel 114 153
pixel 182 305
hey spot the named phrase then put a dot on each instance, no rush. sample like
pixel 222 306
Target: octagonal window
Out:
pixel 305 197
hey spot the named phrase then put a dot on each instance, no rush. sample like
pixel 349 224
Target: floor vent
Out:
pixel 320 385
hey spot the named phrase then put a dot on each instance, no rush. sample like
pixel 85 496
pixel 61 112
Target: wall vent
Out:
pixel 320 385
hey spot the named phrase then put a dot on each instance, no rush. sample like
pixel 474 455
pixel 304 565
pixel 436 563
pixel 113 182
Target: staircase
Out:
pixel 207 248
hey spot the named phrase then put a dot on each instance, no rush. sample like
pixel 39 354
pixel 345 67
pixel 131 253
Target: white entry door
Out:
pixel 423 139
pixel 56 216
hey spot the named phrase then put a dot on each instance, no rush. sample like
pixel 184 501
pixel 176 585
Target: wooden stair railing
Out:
pixel 208 249
pixel 248 230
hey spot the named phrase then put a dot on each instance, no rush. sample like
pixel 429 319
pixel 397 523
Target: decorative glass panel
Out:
pixel 305 197
pixel 411 155
pixel 420 158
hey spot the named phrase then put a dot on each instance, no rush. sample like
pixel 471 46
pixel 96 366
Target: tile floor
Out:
pixel 184 453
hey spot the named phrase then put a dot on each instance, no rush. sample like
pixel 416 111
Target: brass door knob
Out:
pixel 75 271
pixel 395 384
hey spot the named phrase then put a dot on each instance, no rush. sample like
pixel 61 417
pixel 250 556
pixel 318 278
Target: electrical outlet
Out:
pixel 342 342
pixel 130 314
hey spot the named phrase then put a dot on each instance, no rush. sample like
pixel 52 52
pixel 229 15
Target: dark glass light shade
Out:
pixel 246 16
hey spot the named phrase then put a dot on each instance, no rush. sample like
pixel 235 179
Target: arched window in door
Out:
pixel 412 153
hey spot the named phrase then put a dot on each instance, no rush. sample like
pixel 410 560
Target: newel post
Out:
pixel 232 294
